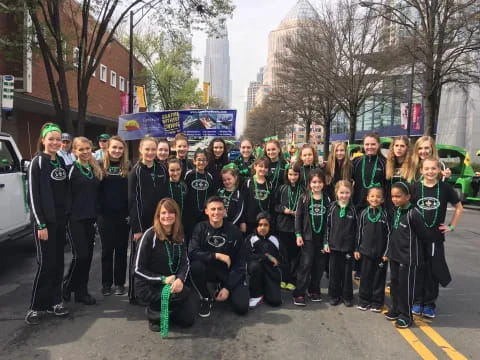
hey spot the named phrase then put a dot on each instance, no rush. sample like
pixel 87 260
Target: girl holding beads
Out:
pixel 245 160
pixel 48 193
pixel 217 156
pixel 340 243
pixel 310 225
pixel 432 196
pixel 161 268
pixel 199 188
pixel 405 252
pixel 286 200
pixel 308 161
pixel 177 189
pixel 84 180
pixel 256 192
pixel 373 231
pixel 113 213
pixel 147 185
pixel 233 197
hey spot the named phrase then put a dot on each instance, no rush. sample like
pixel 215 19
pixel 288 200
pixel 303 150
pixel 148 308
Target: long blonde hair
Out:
pixel 177 229
pixel 332 163
pixel 405 168
pixel 415 162
pixel 123 159
pixel 92 162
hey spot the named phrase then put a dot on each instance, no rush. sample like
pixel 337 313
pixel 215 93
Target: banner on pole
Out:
pixel 416 116
pixel 168 123
pixel 206 93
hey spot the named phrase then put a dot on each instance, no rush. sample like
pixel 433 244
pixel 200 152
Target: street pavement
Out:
pixel 113 329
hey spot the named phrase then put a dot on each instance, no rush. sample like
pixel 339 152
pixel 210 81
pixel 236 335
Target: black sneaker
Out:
pixel 403 324
pixel 391 315
pixel 33 317
pixel 315 297
pixel 205 307
pixel 334 301
pixel 363 307
pixel 58 310
pixel 154 326
pixel 348 303
pixel 107 290
pixel 299 301
pixel 120 290
pixel 376 308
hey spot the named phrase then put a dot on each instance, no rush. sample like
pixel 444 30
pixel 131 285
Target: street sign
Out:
pixel 7 87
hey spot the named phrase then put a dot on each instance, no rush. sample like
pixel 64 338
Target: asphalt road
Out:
pixel 113 329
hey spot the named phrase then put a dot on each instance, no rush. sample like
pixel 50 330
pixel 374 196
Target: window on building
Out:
pixel 76 56
pixel 103 73
pixel 121 83
pixel 113 79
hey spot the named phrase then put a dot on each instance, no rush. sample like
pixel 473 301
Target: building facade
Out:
pixel 217 65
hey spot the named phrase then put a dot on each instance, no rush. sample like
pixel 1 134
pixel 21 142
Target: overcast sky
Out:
pixel 248 34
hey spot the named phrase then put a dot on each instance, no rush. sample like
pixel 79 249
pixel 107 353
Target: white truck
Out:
pixel 14 211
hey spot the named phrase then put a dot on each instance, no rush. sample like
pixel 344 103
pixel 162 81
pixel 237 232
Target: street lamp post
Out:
pixel 412 82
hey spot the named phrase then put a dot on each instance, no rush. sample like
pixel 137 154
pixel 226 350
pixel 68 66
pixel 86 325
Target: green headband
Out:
pixel 230 166
pixel 49 128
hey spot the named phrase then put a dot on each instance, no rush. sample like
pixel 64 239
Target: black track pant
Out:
pixel 47 286
pixel 182 313
pixel 372 283
pixel 340 284
pixel 402 287
pixel 265 281
pixel 217 272
pixel 426 286
pixel 131 270
pixel 114 233
pixel 310 269
pixel 82 235
pixel 289 251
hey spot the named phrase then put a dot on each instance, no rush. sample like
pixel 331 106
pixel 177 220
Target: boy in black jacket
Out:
pixel 217 255
pixel 263 264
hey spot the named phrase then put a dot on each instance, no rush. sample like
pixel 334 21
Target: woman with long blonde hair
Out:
pixel 398 165
pixel 84 176
pixel 339 166
pixel 161 267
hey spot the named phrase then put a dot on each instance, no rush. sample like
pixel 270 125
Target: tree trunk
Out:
pixel 82 112
pixel 326 136
pixel 308 125
pixel 352 127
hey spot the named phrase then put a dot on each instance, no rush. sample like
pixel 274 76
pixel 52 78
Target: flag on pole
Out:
pixel 206 90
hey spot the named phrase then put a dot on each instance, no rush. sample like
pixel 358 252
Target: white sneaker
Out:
pixel 255 301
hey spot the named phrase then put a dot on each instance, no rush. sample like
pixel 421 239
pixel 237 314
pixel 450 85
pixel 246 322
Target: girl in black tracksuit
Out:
pixel 373 232
pixel 308 160
pixel 161 262
pixel 180 145
pixel 147 185
pixel 310 225
pixel 233 198
pixel 199 184
pixel 276 171
pixel 245 160
pixel 263 260
pixel 257 192
pixel 84 180
pixel 405 254
pixel 217 158
pixel 340 244
pixel 113 216
pixel 286 200
pixel 48 197
pixel 176 187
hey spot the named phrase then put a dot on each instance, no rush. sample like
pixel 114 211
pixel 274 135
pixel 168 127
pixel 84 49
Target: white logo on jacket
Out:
pixel 428 203
pixel 58 174
pixel 200 184
pixel 216 241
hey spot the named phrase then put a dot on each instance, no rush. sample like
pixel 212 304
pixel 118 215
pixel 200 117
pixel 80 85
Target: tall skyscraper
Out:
pixel 217 65
pixel 252 90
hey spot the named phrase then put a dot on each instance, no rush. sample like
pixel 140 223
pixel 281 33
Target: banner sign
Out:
pixel 416 116
pixel 168 123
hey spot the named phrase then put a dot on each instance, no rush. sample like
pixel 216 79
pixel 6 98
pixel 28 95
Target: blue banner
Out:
pixel 168 123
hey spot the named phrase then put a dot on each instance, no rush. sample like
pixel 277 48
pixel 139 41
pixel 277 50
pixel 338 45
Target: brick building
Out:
pixel 32 101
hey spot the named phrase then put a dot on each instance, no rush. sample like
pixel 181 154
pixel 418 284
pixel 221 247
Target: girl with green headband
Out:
pixel 48 194
pixel 161 267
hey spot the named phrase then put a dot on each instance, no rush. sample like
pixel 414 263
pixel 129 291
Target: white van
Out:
pixel 14 211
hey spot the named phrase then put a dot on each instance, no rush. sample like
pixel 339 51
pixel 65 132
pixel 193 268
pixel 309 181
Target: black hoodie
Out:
pixel 286 197
pixel 341 231
pixel 372 236
pixel 364 177
pixel 228 240
pixel 235 206
pixel 303 222
pixel 259 247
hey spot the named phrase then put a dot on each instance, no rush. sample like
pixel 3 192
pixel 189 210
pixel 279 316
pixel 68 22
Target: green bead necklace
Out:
pixel 276 175
pixel 172 194
pixel 84 170
pixel 377 217
pixel 56 163
pixel 226 198
pixel 343 209
pixel 199 206
pixel 293 200
pixel 153 174
pixel 165 311
pixel 433 223
pixel 398 213
pixel 171 256
pixel 374 171
pixel 256 191
pixel 316 229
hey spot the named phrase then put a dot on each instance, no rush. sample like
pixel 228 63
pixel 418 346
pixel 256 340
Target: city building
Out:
pixel 217 65
pixel 32 99
pixel 252 90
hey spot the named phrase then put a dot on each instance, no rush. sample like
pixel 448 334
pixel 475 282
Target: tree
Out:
pixel 329 59
pixel 168 60
pixel 442 39
pixel 92 26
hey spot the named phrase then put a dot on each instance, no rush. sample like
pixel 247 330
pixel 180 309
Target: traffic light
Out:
pixel 6 92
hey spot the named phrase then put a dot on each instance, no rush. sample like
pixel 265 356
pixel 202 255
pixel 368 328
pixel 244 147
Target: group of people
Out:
pixel 208 230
